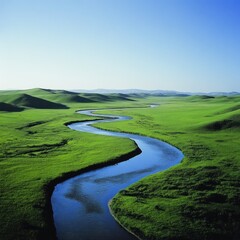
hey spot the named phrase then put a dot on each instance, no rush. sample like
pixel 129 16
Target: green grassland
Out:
pixel 199 198
pixel 36 148
pixel 58 97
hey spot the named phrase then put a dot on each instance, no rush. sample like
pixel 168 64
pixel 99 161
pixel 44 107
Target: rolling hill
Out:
pixel 66 97
pixel 6 107
pixel 97 97
pixel 25 100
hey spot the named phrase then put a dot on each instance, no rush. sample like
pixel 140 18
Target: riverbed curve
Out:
pixel 80 204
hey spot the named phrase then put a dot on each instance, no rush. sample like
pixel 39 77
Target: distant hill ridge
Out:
pixel 52 99
pixel 155 92
pixel 64 96
pixel 6 107
pixel 26 100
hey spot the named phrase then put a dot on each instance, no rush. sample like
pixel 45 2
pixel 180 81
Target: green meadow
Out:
pixel 200 197
pixel 197 199
pixel 36 148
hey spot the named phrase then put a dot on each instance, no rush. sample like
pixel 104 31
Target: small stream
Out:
pixel 80 204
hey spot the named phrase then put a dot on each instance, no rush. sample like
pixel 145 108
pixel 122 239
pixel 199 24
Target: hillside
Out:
pixel 199 198
pixel 9 107
pixel 68 97
pixel 25 100
pixel 97 97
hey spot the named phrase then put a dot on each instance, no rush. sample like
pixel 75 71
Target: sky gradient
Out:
pixel 182 45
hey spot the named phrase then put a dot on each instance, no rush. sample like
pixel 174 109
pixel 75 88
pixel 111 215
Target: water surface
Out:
pixel 80 204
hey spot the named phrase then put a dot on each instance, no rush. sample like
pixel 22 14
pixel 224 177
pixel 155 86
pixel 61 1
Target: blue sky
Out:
pixel 185 45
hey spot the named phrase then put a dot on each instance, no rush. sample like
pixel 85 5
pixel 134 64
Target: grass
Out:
pixel 37 148
pixel 59 96
pixel 199 198
pixel 25 100
pixel 6 107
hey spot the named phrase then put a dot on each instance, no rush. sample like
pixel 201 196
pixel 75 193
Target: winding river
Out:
pixel 80 204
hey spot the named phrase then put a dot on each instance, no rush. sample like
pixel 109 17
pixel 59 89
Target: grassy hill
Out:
pixel 230 109
pixel 9 107
pixel 97 97
pixel 68 97
pixel 232 122
pixel 200 97
pixel 25 100
pixel 59 96
pixel 64 96
pixel 120 96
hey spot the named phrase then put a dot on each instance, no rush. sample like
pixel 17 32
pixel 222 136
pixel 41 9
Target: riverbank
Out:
pixel 198 199
pixel 32 155
pixel 107 182
pixel 126 229
pixel 49 187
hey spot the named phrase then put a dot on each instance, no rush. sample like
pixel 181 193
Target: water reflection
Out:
pixel 80 204
pixel 124 177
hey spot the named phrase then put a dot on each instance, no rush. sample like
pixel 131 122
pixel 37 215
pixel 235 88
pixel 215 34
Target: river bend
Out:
pixel 80 204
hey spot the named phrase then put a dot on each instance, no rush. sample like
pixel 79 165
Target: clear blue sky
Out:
pixel 185 45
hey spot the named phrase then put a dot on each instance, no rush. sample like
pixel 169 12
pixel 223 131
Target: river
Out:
pixel 80 204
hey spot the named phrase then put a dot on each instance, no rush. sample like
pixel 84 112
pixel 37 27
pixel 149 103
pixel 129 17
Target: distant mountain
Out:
pixel 224 93
pixel 133 92
pixel 154 92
